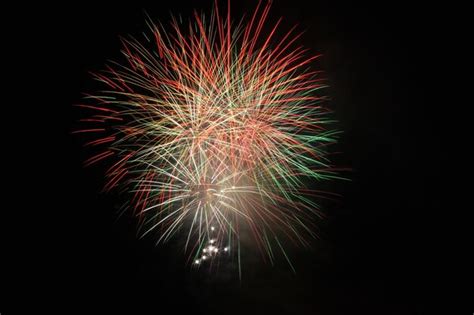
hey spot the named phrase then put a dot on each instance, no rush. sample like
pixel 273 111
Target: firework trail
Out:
pixel 214 127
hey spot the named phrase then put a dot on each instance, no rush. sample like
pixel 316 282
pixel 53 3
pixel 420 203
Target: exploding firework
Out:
pixel 215 127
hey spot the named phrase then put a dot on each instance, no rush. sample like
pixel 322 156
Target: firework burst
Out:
pixel 214 127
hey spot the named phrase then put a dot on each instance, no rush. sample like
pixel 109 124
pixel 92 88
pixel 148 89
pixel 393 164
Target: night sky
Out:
pixel 372 255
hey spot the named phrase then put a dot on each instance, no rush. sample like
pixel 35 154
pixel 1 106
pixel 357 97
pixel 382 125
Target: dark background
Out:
pixel 68 250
